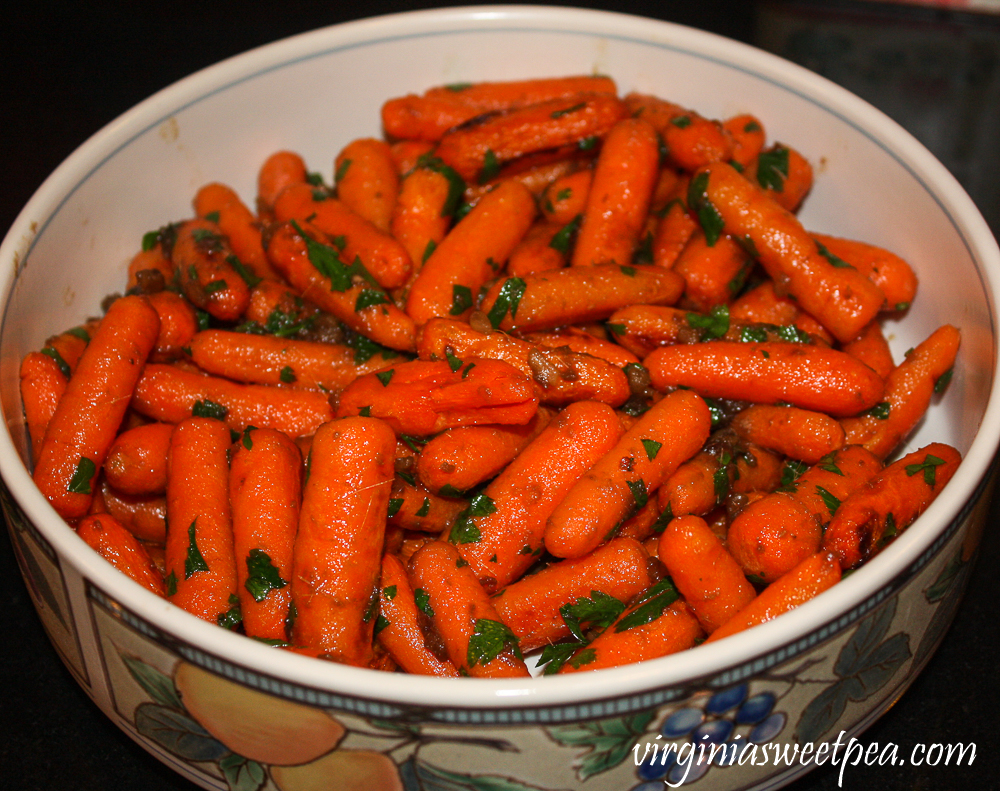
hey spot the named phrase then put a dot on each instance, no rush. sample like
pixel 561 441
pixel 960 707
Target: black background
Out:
pixel 66 69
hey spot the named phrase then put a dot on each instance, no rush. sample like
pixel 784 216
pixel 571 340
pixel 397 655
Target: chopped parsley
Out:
pixel 489 639
pixel 263 575
pixel 80 482
pixel 650 606
pixel 708 216
pixel 928 467
pixel 194 562
pixel 209 408
pixel 508 299
pixel 772 168
pixel 461 299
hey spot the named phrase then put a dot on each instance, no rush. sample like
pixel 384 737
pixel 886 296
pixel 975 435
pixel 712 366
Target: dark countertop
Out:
pixel 69 68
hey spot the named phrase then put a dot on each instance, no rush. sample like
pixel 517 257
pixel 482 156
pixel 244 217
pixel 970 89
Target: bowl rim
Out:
pixel 693 666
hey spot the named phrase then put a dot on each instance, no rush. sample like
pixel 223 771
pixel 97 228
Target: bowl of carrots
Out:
pixel 553 386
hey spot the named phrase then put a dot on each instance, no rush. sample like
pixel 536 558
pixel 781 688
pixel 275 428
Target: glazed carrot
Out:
pixel 380 254
pixel 670 184
pixel 533 606
pixel 619 196
pixel 429 116
pixel 643 523
pixel 871 348
pixel 561 376
pixel 478 246
pixel 706 575
pixel 406 154
pixel 691 141
pixel 797 433
pixel 461 458
pixel 366 180
pixel 202 258
pixel 270 360
pixel 886 270
pixel 672 431
pixel 713 274
pixel 757 470
pixel 747 134
pixel 842 299
pixel 338 548
pixel 68 347
pixel 412 506
pixel 807 376
pixel 276 309
pixel 477 148
pixel 143 517
pixel 908 392
pixel 320 275
pixel 87 417
pixel 121 549
pixel 220 204
pixel 673 230
pixel 808 579
pixel 501 533
pixel 137 460
pixel 544 246
pixel 178 324
pixel 566 196
pixel 42 385
pixel 657 623
pixel 783 173
pixel 534 171
pixel 576 295
pixel 169 394
pixel 397 627
pixel 424 210
pixel 888 503
pixel 421 398
pixel 265 485
pixel 278 171
pixel 150 269
pixel 584 343
pixel 446 590
pixel 201 566
pixel 762 305
pixel 691 489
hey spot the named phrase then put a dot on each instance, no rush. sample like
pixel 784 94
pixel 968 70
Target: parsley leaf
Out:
pixel 772 168
pixel 461 299
pixel 491 167
pixel 80 482
pixel 652 448
pixel 369 297
pixel 194 561
pixel 928 466
pixel 829 464
pixel 489 639
pixel 840 263
pixel 263 575
pixel 639 494
pixel 209 408
pixel 562 240
pixel 51 351
pixel 508 299
pixel 599 611
pixel 829 500
pixel 713 325
pixel 287 375
pixel 385 376
pixel 232 617
pixel 453 362
pixel 650 606
pixel 567 110
pixel 465 531
pixel 248 277
pixel 423 601
pixel 790 473
pixel 708 216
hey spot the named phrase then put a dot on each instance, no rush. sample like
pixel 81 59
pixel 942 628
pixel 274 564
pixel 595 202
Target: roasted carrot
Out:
pixel 406 154
pixel 619 196
pixel 474 250
pixel 366 180
pixel 68 347
pixel 871 348
pixel 583 342
pixel 88 415
pixel 121 549
pixel 137 460
pixel 203 260
pixel 713 274
pixel 423 398
pixel 576 295
pixel 886 270
pixel 665 436
pixel 201 566
pixel 783 173
pixel 501 533
pixel 338 547
pixel 397 627
pixel 412 506
pixel 691 140
pixel 566 197
pixel 908 392
pixel 807 376
pixel 692 488
pixel 278 171
pixel 807 580
pixel 169 394
pixel 265 485
pixel 42 385
pixel 424 210
pixel 674 228
pixel 446 590
pixel 747 134
pixel 143 517
pixel 178 324
pixel 797 433
pixel 220 204
pixel 708 578
pixel 763 305
pixel 276 309
pixel 842 299
pixel 151 269
pixel 544 246
pixel 461 458
pixel 542 608
pixel 888 503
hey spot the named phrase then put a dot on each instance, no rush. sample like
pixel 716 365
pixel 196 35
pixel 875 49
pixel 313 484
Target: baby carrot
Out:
pixel 908 392
pixel 150 270
pixel 220 204
pixel 366 180
pixel 406 154
pixel 576 295
pixel 178 324
pixel 143 517
pixel 540 249
pixel 42 385
pixel 762 305
pixel 810 377
pixel 674 228
pixel 712 273
pixel 540 608
pixel 201 566
pixel 886 270
pixel 692 488
pixel 583 342
pixel 478 246
pixel 446 590
pixel 747 134
pixel 137 460
pixel 397 627
pixel 808 579
pixel 338 547
pixel 888 503
pixel 871 348
pixel 278 171
pixel 203 260
pixel 88 415
pixel 566 197
pixel 672 431
pixel 783 173
pixel 797 433
pixel 265 484
pixel 708 578
pixel 619 195
pixel 412 506
pixel 121 549
pixel 424 210
pixel 169 394
pixel 841 298
pixel 691 140
pixel 276 309
pixel 501 533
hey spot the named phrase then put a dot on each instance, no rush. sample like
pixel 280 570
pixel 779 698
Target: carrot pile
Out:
pixel 547 369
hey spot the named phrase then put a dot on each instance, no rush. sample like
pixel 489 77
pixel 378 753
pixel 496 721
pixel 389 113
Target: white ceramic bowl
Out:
pixel 863 641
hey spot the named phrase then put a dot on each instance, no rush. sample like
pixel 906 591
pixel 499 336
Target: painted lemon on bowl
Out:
pixel 344 770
